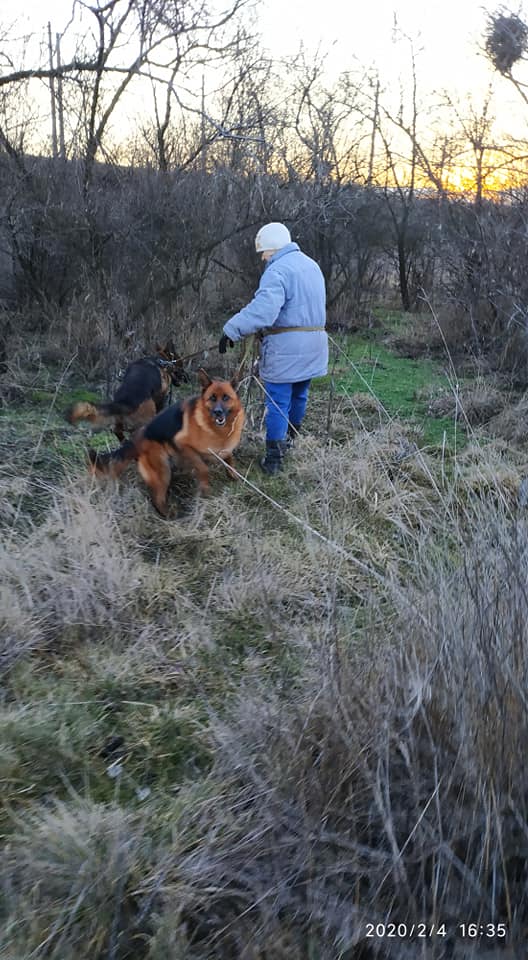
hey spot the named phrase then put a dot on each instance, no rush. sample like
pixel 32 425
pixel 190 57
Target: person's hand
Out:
pixel 225 342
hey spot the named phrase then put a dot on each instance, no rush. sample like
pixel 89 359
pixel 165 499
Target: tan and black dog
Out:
pixel 145 387
pixel 195 429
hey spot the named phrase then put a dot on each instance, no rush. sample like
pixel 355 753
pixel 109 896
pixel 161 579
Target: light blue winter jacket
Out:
pixel 291 293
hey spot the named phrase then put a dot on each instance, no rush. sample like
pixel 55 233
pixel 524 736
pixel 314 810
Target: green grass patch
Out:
pixel 78 738
pixel 77 394
pixel 399 384
pixel 34 434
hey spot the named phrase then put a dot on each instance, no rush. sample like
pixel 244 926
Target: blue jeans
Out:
pixel 285 403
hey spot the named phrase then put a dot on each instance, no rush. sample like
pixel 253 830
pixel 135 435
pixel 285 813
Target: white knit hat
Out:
pixel 272 236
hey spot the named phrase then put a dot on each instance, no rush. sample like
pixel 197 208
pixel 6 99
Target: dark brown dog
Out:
pixel 143 392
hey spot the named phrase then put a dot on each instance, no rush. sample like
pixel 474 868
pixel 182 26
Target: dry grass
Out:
pixel 382 786
pixel 474 404
pixel 512 423
pixel 72 873
pixel 71 577
pixel 244 733
pixel 420 337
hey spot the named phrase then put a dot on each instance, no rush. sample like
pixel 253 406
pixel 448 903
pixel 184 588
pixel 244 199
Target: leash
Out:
pixel 248 348
pixel 248 344
pixel 188 356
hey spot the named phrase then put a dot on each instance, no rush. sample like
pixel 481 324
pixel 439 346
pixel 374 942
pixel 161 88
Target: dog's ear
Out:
pixel 169 350
pixel 235 381
pixel 204 378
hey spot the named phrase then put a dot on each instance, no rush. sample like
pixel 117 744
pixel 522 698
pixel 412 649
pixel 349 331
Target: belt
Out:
pixel 270 331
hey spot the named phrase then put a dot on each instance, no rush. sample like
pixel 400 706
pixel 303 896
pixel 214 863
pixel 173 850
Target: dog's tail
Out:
pixel 98 414
pixel 113 463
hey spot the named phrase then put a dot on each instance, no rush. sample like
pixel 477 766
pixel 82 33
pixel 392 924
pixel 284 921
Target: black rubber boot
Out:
pixel 293 432
pixel 272 462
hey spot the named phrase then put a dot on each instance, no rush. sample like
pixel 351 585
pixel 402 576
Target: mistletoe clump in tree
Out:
pixel 505 40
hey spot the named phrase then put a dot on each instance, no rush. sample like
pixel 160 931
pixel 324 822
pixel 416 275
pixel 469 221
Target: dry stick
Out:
pixel 55 928
pixel 269 397
pixel 248 348
pixel 351 363
pixel 330 399
pixel 334 546
pixel 292 516
pixel 197 353
pixel 389 417
pixel 364 567
pixel 502 855
pixel 401 850
pixel 247 382
pixel 361 377
pixel 419 454
pixel 453 379
pixel 249 352
pixel 452 383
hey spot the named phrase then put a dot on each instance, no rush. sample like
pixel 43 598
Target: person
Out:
pixel 289 310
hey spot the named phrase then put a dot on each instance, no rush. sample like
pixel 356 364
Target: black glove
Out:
pixel 225 342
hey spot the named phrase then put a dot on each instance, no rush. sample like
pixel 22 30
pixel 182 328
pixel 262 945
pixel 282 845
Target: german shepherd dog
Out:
pixel 143 392
pixel 195 429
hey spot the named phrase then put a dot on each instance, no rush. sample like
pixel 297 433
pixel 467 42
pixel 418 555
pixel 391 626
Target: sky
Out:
pixel 447 30
pixel 446 35
pixel 362 29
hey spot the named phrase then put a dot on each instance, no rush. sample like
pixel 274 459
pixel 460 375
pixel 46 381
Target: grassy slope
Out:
pixel 401 385
pixel 139 633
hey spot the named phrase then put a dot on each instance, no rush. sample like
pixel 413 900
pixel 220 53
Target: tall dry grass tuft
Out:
pixel 474 404
pixel 389 784
pixel 70 880
pixel 510 424
pixel 73 576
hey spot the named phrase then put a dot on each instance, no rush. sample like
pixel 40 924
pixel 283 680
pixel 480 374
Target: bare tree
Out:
pixel 234 125
pixel 126 40
pixel 400 174
pixel 475 137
